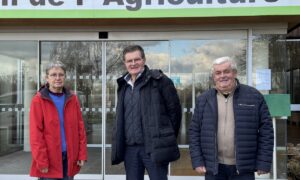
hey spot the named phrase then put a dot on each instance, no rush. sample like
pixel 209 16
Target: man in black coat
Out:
pixel 231 132
pixel 148 119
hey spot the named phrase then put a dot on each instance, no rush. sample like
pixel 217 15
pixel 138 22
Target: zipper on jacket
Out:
pixel 216 145
pixel 224 133
pixel 235 142
pixel 247 105
pixel 216 153
pixel 236 166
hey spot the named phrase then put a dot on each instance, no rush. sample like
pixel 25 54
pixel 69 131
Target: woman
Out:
pixel 57 134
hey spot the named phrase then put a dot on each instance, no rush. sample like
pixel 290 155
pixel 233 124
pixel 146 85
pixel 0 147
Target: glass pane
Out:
pixel 19 67
pixel 157 57
pixel 293 50
pixel 84 70
pixel 191 62
pixel 281 148
pixel 293 145
pixel 94 164
pixel 295 85
pixel 293 126
pixel 269 53
pixel 182 167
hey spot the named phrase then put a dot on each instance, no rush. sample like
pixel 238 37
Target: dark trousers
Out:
pixel 229 172
pixel 65 169
pixel 136 161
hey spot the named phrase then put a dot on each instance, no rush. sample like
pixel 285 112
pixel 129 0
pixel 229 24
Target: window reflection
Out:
pixel 18 82
pixel 83 61
pixel 293 48
pixel 191 62
pixel 191 68
pixel 269 52
pixel 293 136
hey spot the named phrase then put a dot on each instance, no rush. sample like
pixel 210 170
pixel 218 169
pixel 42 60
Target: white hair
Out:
pixel 223 60
pixel 54 65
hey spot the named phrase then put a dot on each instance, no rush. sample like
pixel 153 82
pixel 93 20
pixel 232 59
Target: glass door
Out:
pixel 92 71
pixel 293 123
pixel 18 77
pixel 84 76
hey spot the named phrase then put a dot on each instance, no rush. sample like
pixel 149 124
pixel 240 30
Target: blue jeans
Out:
pixel 229 172
pixel 65 169
pixel 136 160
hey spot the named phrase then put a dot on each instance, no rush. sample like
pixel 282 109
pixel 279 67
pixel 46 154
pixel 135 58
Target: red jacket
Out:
pixel 45 140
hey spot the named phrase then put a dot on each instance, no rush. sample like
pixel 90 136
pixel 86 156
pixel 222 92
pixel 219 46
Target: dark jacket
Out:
pixel 253 131
pixel 161 118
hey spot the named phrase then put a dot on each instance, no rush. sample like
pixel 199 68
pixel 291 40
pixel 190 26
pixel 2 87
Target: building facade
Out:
pixel 181 37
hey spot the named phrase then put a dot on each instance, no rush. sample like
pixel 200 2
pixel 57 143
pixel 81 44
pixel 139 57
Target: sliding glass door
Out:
pixel 84 76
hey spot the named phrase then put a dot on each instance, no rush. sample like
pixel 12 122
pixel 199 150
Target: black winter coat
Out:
pixel 161 118
pixel 253 131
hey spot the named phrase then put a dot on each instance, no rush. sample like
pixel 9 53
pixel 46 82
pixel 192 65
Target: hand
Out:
pixel 80 163
pixel 201 169
pixel 44 170
pixel 260 172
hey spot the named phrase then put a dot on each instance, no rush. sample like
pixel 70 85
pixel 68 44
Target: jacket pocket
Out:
pixel 247 111
pixel 166 137
pixel 165 148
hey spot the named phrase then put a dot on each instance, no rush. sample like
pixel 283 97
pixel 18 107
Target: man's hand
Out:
pixel 201 169
pixel 44 170
pixel 260 172
pixel 80 163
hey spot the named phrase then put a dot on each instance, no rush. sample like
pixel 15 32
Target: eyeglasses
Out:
pixel 59 75
pixel 132 61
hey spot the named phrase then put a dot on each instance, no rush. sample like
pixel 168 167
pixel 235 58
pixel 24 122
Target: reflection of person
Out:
pixel 57 134
pixel 148 118
pixel 231 133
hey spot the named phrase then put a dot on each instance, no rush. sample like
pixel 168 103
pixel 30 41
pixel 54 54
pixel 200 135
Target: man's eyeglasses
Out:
pixel 54 75
pixel 132 61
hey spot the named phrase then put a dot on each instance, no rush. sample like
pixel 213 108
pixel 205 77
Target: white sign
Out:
pixel 263 79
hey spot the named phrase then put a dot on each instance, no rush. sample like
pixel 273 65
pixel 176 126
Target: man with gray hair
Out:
pixel 148 119
pixel 231 132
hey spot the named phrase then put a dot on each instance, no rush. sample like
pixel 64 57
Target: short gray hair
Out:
pixel 55 64
pixel 222 60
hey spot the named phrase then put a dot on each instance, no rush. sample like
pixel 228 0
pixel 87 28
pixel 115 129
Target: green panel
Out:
pixel 152 13
pixel 279 104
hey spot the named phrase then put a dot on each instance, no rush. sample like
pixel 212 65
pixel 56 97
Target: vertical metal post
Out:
pixel 274 151
pixel 19 94
pixel 104 109
pixel 169 74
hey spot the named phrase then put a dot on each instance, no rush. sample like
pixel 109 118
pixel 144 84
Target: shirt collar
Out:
pixel 127 77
